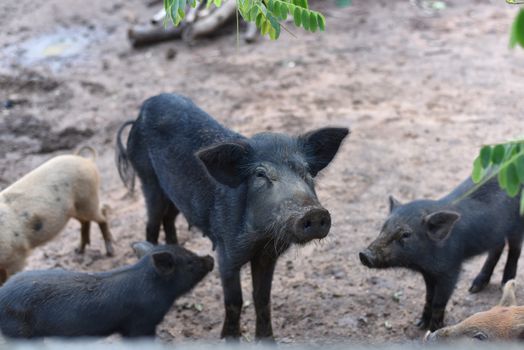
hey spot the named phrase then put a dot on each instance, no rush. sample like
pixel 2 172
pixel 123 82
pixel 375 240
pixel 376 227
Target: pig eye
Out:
pixel 260 173
pixel 405 235
pixel 480 336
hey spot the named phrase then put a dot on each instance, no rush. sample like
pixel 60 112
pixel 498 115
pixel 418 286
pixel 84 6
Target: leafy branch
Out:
pixel 266 14
pixel 504 161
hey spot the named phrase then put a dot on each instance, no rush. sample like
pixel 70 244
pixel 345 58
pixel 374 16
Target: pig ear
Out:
pixel 225 162
pixel 141 248
pixel 164 263
pixel 320 146
pixel 393 203
pixel 440 224
pixel 508 295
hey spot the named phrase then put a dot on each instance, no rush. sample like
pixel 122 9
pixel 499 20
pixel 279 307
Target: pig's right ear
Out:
pixel 226 162
pixel 164 263
pixel 440 224
pixel 393 203
pixel 141 248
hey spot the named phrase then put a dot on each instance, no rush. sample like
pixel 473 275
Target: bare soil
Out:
pixel 420 92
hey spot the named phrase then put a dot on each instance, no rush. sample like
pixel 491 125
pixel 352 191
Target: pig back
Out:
pixel 175 129
pixel 43 200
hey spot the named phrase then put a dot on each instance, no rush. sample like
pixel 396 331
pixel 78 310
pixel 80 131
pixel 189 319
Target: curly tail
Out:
pixel 87 148
pixel 125 168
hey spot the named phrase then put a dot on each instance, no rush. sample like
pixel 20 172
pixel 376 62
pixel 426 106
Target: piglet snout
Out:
pixel 367 258
pixel 315 224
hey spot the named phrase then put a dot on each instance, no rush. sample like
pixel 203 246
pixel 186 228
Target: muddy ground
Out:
pixel 420 92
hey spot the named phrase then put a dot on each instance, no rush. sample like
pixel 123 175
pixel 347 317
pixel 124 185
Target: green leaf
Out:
pixel 498 154
pixel 517 30
pixel 313 22
pixel 321 22
pixel 522 202
pixel 501 177
pixel 275 25
pixel 485 156
pixel 260 18
pixel 253 13
pixel 276 9
pixel 297 16
pixel 477 172
pixel 305 19
pixel 519 165
pixel 283 12
pixel 512 180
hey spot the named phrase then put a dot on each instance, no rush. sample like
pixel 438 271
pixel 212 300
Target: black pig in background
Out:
pixel 434 237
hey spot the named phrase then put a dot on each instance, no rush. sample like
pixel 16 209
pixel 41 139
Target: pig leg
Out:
pixel 262 268
pixel 157 204
pixel 232 301
pixel 101 219
pixel 510 270
pixel 84 236
pixel 443 290
pixel 424 321
pixel 484 275
pixel 169 223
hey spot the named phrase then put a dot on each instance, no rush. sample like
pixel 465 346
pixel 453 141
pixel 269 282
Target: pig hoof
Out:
pixel 110 252
pixel 477 287
pixel 79 251
pixel 435 325
pixel 422 323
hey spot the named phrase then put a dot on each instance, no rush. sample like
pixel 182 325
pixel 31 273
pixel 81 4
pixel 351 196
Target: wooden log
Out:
pixel 158 17
pixel 139 37
pixel 209 24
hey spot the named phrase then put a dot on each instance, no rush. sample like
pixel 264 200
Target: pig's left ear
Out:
pixel 225 162
pixel 320 146
pixel 164 263
pixel 440 224
pixel 141 248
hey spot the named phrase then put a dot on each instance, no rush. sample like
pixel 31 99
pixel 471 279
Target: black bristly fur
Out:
pixel 250 196
pixel 434 237
pixel 130 301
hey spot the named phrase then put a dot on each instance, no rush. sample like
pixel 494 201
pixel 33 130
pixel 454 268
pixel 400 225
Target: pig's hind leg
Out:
pixel 169 223
pixel 515 248
pixel 85 229
pixel 482 279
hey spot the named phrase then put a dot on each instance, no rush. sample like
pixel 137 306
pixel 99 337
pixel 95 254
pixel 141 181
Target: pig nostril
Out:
pixel 307 224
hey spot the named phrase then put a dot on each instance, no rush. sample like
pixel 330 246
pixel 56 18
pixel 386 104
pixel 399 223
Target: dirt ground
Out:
pixel 420 92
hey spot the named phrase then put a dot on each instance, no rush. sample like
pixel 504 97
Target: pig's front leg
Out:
pixel 425 319
pixel 232 301
pixel 262 269
pixel 443 290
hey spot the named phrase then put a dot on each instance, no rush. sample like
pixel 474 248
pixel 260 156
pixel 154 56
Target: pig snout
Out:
pixel 367 258
pixel 314 224
pixel 209 262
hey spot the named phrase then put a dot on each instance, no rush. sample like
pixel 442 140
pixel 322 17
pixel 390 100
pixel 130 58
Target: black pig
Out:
pixel 434 237
pixel 130 301
pixel 253 197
